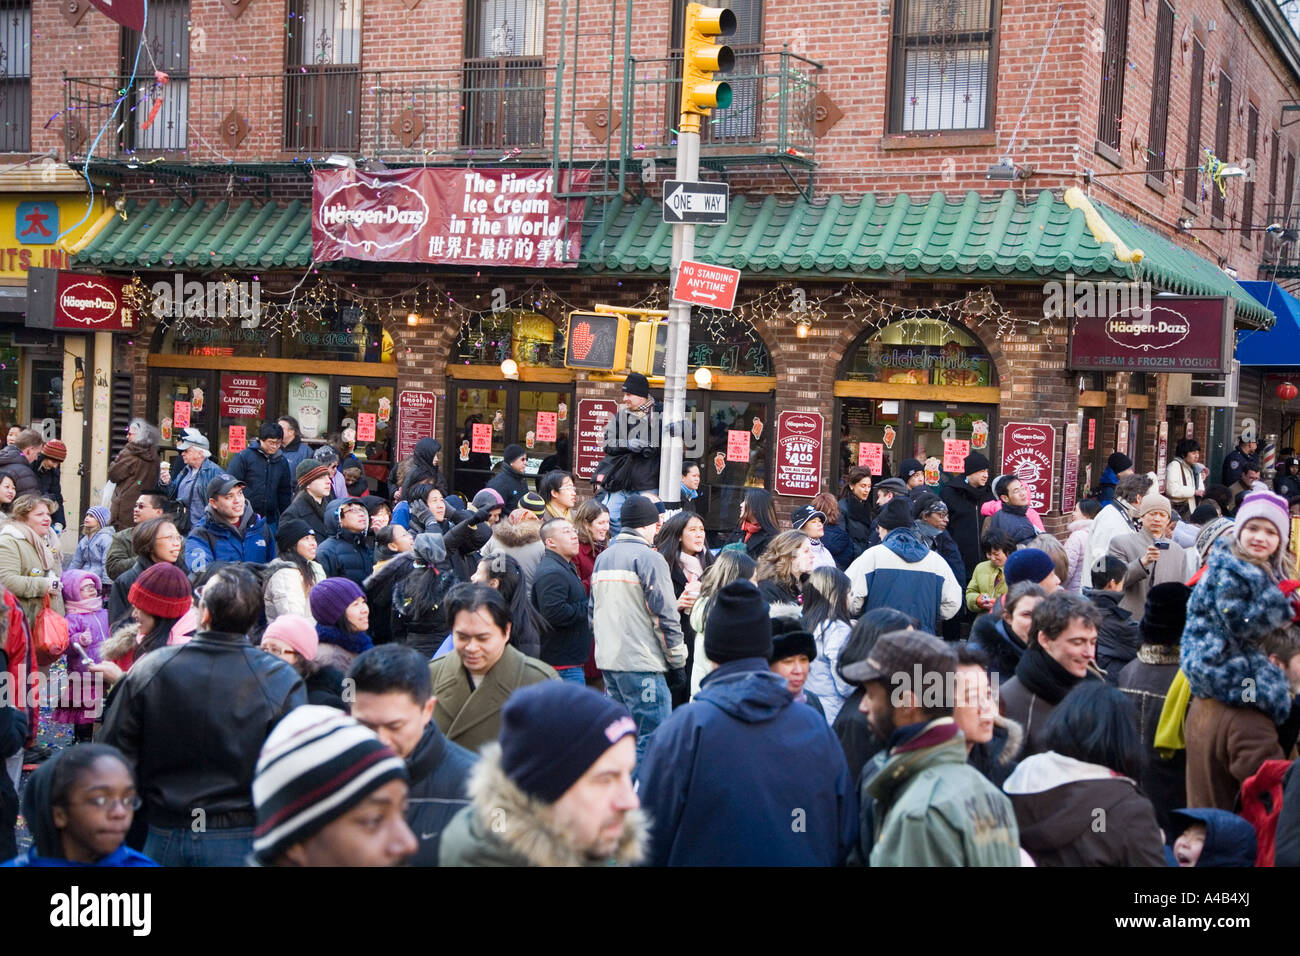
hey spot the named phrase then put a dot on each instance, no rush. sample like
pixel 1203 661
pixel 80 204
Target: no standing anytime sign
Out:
pixel 699 283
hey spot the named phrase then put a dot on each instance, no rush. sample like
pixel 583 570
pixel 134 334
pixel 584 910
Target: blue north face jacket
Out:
pixel 903 573
pixel 215 540
pixel 744 776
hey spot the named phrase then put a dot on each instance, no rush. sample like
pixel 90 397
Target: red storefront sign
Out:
pixel 1029 453
pixel 415 417
pixel 700 283
pixel 464 217
pixel 589 431
pixel 84 303
pixel 1177 334
pixel 243 396
pixel 1070 473
pixel 798 454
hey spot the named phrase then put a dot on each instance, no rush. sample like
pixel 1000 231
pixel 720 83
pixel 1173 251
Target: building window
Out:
pixel 1222 132
pixel 742 121
pixel 1191 181
pixel 159 111
pixel 921 352
pixel 940 75
pixel 15 76
pixel 322 88
pixel 1248 194
pixel 1159 123
pixel 1114 62
pixel 504 74
pixel 1288 196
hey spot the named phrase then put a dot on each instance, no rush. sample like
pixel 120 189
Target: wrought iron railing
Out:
pixel 1280 250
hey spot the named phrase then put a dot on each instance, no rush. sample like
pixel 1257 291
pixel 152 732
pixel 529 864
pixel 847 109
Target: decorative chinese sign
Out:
pixel 1092 434
pixel 737 445
pixel 415 417
pixel 180 415
pixel 546 422
pixel 243 396
pixel 871 456
pixel 85 303
pixel 1162 454
pixel 798 454
pixel 465 217
pixel 1121 437
pixel 481 439
pixel 954 455
pixel 1028 452
pixel 238 439
pixel 365 426
pixel 1070 474
pixel 593 413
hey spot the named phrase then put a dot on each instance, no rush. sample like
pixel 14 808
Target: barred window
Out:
pixel 1114 61
pixel 1191 180
pixel 941 65
pixel 1158 126
pixel 159 111
pixel 1248 194
pixel 1222 135
pixel 322 83
pixel 504 73
pixel 15 75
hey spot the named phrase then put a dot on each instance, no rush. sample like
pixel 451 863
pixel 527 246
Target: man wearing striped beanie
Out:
pixel 327 792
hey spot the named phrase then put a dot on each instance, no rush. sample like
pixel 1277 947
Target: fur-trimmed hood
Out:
pixel 1015 732
pixel 386 574
pixel 520 535
pixel 121 641
pixel 504 826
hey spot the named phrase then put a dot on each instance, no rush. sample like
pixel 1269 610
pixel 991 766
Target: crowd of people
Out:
pixel 291 662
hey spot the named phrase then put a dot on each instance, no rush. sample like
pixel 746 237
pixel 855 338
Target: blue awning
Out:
pixel 1279 345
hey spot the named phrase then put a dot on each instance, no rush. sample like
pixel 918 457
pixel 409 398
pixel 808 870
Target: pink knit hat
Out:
pixel 298 632
pixel 1268 506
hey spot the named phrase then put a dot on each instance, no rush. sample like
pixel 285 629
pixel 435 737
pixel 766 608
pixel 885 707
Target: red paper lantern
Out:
pixel 1286 391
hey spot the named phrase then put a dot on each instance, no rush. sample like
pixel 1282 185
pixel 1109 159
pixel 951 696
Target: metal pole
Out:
pixel 679 334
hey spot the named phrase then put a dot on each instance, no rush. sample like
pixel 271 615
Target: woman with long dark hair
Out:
pixel 159 599
pixel 826 617
pixel 505 574
pixel 682 542
pixel 758 523
pixel 418 617
pixel 855 508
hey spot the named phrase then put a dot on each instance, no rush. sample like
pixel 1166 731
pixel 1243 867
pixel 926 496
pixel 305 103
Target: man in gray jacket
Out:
pixel 635 622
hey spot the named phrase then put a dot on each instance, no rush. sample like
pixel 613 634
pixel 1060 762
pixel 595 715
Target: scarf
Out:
pixel 1040 673
pixel 28 533
pixel 750 528
pixel 83 606
pixel 927 533
pixel 859 510
pixel 690 563
pixel 354 643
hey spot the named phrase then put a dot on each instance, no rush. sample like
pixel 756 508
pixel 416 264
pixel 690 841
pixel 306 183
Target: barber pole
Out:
pixel 1268 456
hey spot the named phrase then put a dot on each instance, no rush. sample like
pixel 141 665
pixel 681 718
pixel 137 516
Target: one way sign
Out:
pixel 695 202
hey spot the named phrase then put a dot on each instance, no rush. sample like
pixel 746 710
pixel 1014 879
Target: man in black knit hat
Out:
pixel 632 448
pixel 744 775
pixel 963 496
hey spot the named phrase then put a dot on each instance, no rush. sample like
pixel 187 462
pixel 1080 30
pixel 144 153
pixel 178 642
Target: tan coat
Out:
pixel 472 717
pixel 18 559
pixel 1171 566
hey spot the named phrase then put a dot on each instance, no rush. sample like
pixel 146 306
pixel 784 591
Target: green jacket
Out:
pixel 986 580
pixel 933 809
pixel 472 717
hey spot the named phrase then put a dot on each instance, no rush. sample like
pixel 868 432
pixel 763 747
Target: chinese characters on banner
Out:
pixel 1121 436
pixel 365 426
pixel 238 439
pixel 415 416
pixel 546 422
pixel 737 445
pixel 1029 453
pixel 954 455
pixel 464 217
pixel 181 415
pixel 481 438
pixel 1162 455
pixel 593 413
pixel 798 454
pixel 871 456
pixel 1092 434
pixel 1070 473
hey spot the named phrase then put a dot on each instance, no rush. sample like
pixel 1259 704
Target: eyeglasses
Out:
pixel 174 536
pixel 132 802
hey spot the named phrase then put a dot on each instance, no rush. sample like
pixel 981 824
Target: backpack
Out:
pixel 1261 804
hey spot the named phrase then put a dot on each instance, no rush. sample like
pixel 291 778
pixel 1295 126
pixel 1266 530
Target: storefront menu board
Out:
pixel 1029 452
pixel 799 454
pixel 416 412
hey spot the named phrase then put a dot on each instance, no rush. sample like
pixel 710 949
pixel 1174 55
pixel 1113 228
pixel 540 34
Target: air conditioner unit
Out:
pixel 1210 391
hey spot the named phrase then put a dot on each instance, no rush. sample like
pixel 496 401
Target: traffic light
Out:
pixel 649 345
pixel 701 58
pixel 596 341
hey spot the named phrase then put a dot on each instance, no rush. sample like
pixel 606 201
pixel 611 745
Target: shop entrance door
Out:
pixel 518 413
pixel 911 429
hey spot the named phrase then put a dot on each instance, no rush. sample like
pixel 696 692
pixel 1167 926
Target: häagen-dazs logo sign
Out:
pixel 1146 331
pixel 804 426
pixel 372 216
pixel 89 303
pixel 1028 436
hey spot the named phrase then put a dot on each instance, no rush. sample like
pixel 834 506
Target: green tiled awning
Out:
pixel 958 236
pixel 991 236
pixel 204 235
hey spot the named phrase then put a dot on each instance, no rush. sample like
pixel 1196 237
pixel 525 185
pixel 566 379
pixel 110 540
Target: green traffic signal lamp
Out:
pixel 701 58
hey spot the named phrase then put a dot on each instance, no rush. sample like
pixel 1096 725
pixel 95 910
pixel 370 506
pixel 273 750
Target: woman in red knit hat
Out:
pixel 159 598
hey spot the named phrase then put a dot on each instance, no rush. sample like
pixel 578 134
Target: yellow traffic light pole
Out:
pixel 701 58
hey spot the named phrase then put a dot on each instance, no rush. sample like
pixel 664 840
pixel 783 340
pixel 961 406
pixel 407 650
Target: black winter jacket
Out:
pixel 989 633
pixel 13 733
pixel 439 772
pixel 1118 638
pixel 857 523
pixel 13 464
pixel 963 503
pixel 427 630
pixel 1145 681
pixel 267 484
pixel 856 736
pixel 561 600
pixel 192 719
pixel 511 485
pixel 347 555
pixel 49 481
pixel 304 508
pixel 379 594
pixel 630 436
